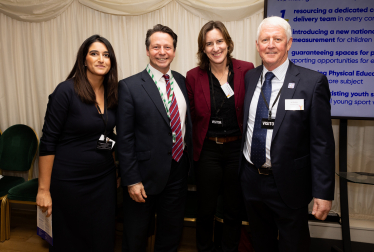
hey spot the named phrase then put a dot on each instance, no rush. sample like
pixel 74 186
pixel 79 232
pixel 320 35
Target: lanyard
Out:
pixel 214 98
pixel 263 96
pixel 106 113
pixel 167 103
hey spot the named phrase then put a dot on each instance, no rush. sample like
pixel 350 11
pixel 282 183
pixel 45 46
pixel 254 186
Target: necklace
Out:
pixel 223 74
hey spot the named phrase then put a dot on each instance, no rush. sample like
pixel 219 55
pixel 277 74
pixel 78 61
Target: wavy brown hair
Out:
pixel 163 29
pixel 79 73
pixel 201 56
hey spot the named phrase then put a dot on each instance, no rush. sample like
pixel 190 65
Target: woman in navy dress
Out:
pixel 77 177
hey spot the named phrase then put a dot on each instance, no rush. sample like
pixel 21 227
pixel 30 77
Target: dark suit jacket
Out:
pixel 302 148
pixel 144 132
pixel 199 94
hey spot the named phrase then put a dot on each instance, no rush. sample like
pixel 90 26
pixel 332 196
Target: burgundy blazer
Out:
pixel 197 82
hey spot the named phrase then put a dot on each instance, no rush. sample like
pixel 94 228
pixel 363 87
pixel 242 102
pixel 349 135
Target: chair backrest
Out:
pixel 18 147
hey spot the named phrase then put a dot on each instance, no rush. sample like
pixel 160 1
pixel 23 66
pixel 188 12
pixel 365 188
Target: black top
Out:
pixel 222 108
pixel 70 132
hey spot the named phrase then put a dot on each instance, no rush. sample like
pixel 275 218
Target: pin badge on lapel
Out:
pixel 291 85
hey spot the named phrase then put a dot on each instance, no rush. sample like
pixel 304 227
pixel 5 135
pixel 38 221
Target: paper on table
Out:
pixel 44 224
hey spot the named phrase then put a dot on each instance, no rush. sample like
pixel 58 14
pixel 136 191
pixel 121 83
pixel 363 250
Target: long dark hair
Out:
pixel 203 60
pixel 81 84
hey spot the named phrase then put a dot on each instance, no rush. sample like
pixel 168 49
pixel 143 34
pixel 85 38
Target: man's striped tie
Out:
pixel 175 123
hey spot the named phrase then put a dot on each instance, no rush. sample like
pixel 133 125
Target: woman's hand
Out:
pixel 44 201
pixel 43 198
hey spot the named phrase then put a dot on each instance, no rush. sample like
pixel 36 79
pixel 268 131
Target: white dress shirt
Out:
pixel 182 105
pixel 276 83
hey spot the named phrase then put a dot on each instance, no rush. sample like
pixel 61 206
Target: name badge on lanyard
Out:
pixel 267 123
pixel 217 121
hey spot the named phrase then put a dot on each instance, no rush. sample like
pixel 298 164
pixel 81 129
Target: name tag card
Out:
pixel 267 123
pixel 294 104
pixel 217 121
pixel 227 90
pixel 112 142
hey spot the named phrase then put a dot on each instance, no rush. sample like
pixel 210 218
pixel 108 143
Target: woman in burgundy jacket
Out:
pixel 216 93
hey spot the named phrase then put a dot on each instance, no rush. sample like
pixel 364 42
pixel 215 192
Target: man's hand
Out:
pixel 137 192
pixel 321 208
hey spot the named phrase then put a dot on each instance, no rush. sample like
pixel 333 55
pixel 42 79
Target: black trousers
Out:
pixel 268 215
pixel 217 173
pixel 169 206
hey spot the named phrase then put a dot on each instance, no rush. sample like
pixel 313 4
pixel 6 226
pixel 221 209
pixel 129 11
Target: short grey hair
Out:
pixel 276 21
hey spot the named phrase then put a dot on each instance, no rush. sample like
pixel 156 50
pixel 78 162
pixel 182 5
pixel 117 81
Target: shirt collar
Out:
pixel 279 72
pixel 157 74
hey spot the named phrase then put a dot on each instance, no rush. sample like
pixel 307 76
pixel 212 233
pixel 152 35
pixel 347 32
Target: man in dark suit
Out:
pixel 154 146
pixel 288 154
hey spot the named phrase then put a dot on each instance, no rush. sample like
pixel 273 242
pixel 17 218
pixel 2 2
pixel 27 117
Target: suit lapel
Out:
pixel 204 82
pixel 286 93
pixel 151 89
pixel 250 89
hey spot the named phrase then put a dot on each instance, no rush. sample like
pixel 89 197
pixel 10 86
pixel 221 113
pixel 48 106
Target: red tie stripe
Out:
pixel 175 123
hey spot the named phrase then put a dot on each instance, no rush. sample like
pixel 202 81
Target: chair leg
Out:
pixel 7 222
pixel 152 238
pixel 3 219
pixel 151 243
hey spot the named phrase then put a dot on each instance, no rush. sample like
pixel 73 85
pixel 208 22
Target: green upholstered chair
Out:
pixel 24 193
pixel 18 148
